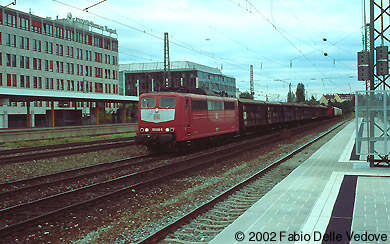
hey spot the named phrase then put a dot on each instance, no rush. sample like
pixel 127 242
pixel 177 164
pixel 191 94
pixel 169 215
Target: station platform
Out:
pixel 31 134
pixel 328 199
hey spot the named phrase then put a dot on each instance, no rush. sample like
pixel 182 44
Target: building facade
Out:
pixel 68 55
pixel 339 98
pixel 140 78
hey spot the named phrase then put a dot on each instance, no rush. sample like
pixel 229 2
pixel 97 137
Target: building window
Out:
pixel 107 44
pixel 46 47
pixel 9 79
pixel 22 81
pixel 8 40
pixel 27 62
pixel 88 39
pixel 8 60
pixel 21 42
pixel 27 81
pixel 26 43
pixel 13 40
pixel 47 29
pixel 35 82
pixel 98 57
pixel 35 64
pixel 24 23
pixel 114 46
pixel 99 87
pixel 36 26
pixel 10 19
pixel 21 61
pixel 14 80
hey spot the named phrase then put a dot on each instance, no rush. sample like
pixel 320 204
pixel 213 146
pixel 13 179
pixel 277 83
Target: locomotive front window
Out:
pixel 148 102
pixel 167 102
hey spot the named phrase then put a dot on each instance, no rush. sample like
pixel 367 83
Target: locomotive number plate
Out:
pixel 156 129
pixel 156 116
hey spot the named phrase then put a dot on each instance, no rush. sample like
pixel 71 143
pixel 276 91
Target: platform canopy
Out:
pixel 25 95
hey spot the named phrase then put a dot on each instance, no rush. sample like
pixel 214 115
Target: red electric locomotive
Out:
pixel 169 120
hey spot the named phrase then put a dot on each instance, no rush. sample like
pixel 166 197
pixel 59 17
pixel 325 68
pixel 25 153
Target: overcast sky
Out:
pixel 284 40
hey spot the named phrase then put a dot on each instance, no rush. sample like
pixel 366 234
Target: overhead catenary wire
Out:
pixel 177 42
pixel 184 45
pixel 288 40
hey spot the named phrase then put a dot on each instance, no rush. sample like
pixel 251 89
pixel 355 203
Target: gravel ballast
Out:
pixel 140 213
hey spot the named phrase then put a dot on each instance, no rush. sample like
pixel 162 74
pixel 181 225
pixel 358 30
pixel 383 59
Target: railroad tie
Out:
pixel 238 205
pixel 169 240
pixel 202 231
pixel 216 226
pixel 215 221
pixel 230 212
pixel 219 217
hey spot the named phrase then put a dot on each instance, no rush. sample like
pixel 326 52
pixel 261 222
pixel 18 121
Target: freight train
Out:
pixel 170 120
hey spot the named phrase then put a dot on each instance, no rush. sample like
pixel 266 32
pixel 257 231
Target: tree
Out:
pixel 313 100
pixel 348 106
pixel 246 95
pixel 300 93
pixel 291 97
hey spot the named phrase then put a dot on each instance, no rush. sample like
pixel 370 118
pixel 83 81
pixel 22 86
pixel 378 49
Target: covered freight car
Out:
pixel 258 114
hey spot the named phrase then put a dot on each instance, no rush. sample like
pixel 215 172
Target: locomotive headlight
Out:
pixel 167 130
pixel 141 130
pixel 172 130
pixel 146 130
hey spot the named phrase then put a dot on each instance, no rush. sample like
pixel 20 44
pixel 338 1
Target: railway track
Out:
pixel 23 215
pixel 42 152
pixel 223 209
pixel 18 191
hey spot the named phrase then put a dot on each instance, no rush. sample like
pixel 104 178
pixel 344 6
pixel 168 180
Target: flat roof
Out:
pixel 22 95
pixel 174 66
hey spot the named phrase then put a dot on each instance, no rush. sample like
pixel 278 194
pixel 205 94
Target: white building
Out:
pixel 67 55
